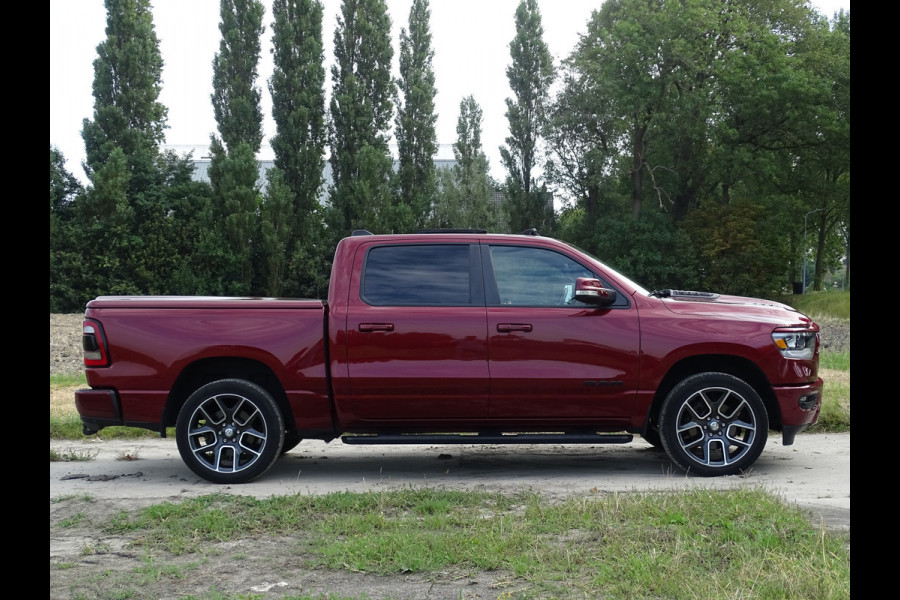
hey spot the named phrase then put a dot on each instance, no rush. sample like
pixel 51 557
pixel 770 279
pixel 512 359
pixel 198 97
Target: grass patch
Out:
pixel 835 361
pixel 834 369
pixel 79 380
pixel 717 544
pixel 832 303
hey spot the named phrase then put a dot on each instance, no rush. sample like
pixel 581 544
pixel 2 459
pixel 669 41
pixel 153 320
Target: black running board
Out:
pixel 489 438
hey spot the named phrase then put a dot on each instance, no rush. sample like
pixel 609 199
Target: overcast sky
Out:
pixel 470 39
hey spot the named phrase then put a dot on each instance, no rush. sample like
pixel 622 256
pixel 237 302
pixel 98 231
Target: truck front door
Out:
pixel 552 357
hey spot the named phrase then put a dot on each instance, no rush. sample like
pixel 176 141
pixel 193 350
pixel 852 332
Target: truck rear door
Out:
pixel 416 340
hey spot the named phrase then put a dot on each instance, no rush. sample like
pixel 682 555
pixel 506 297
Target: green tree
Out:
pixel 124 215
pixel 236 97
pixel 583 137
pixel 233 170
pixel 530 75
pixel 713 92
pixel 106 225
pixel 676 105
pixel 276 232
pixel 465 198
pixel 361 111
pixel 64 187
pixel 65 260
pixel 737 250
pixel 415 122
pixel 126 87
pixel 824 166
pixel 298 108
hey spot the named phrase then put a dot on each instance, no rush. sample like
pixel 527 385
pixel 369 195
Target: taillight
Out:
pixel 94 345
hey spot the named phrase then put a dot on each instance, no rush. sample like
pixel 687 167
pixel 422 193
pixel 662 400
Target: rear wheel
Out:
pixel 230 431
pixel 713 424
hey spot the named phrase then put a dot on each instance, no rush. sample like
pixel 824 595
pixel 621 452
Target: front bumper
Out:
pixel 800 406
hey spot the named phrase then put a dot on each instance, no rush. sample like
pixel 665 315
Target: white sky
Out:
pixel 471 52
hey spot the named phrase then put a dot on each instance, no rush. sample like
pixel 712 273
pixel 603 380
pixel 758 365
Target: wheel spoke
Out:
pixel 215 417
pixel 731 414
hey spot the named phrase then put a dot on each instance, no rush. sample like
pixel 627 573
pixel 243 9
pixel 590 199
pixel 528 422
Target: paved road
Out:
pixel 814 473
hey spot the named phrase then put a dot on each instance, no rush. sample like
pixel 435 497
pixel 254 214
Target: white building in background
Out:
pixel 266 160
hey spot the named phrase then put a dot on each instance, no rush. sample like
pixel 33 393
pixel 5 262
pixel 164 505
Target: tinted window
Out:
pixel 535 276
pixel 417 275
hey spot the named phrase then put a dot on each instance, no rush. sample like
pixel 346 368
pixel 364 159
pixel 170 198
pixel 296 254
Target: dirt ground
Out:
pixel 813 474
pixel 88 562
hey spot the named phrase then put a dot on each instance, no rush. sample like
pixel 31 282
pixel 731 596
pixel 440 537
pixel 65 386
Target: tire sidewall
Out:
pixel 684 390
pixel 270 413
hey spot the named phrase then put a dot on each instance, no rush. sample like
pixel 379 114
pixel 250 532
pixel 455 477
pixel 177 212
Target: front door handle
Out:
pixel 510 327
pixel 369 327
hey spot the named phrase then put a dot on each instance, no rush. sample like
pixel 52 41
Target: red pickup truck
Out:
pixel 454 338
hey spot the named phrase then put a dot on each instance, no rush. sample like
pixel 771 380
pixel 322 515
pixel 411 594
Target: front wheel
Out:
pixel 713 424
pixel 229 431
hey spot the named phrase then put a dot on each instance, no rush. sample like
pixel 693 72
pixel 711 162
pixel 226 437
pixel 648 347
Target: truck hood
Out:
pixel 726 306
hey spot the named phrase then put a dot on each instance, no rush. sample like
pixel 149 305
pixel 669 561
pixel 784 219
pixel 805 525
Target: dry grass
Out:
pixel 835 376
pixel 62 401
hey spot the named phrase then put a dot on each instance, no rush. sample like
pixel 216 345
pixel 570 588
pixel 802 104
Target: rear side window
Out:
pixel 426 275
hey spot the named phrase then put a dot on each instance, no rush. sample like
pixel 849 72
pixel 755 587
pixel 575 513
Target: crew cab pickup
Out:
pixel 454 338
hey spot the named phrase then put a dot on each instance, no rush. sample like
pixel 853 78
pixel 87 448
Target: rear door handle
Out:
pixel 509 327
pixel 369 327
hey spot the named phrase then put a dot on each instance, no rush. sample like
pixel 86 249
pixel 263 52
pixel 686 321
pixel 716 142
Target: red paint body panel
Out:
pixel 348 366
pixel 154 340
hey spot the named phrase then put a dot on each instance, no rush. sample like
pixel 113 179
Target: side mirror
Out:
pixel 591 291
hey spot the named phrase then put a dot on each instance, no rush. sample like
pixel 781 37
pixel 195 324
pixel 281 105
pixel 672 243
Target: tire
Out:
pixel 713 424
pixel 230 431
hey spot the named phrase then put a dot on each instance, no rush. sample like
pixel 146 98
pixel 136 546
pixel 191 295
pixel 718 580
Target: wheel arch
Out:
pixel 207 370
pixel 737 366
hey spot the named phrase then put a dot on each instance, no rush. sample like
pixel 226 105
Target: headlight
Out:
pixel 796 344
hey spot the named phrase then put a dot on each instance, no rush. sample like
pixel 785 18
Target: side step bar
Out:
pixel 489 438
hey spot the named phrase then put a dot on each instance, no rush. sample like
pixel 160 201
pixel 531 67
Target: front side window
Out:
pixel 535 276
pixel 423 275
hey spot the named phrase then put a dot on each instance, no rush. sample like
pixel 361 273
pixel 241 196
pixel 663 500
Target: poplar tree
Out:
pixel 291 215
pixel 233 170
pixel 415 122
pixel 122 217
pixel 466 189
pixel 126 88
pixel 530 75
pixel 361 111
